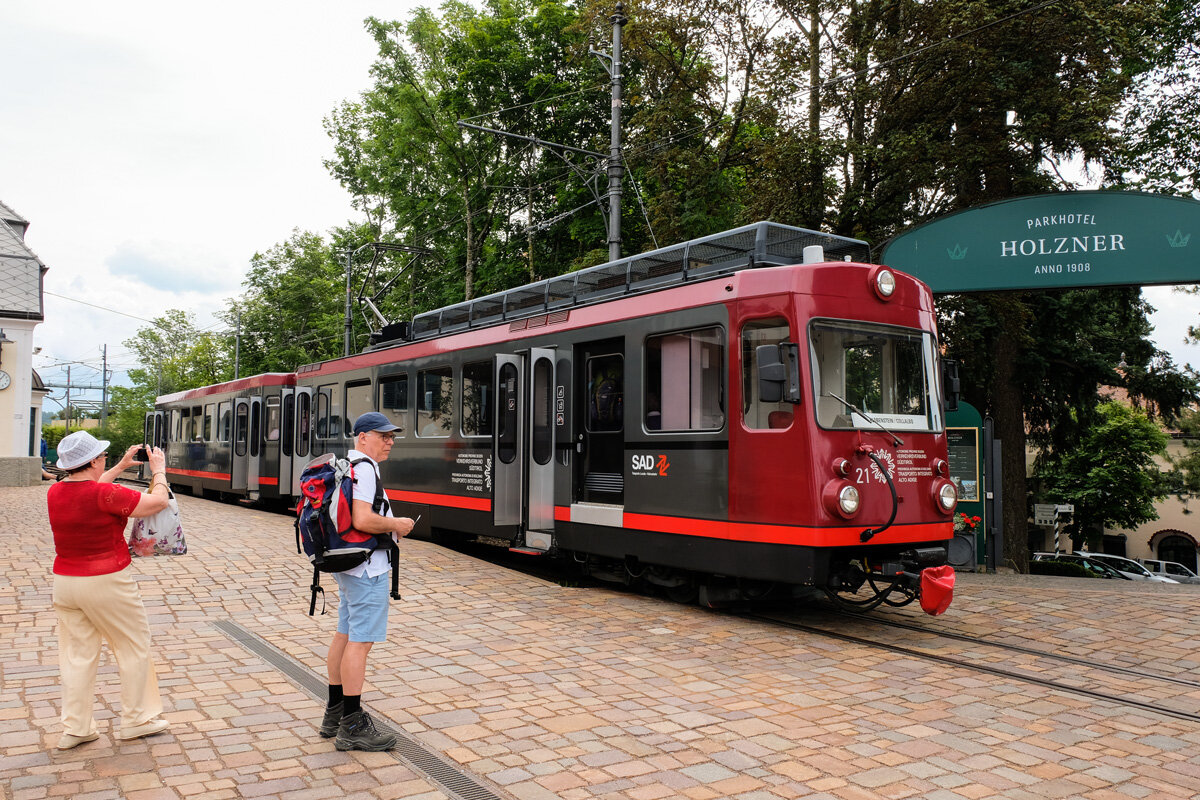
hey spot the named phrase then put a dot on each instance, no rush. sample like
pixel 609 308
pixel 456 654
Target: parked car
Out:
pixel 1098 569
pixel 1171 569
pixel 1127 566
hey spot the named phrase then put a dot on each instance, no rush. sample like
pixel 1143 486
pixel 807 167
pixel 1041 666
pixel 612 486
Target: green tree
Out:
pixel 1111 475
pixel 459 191
pixel 174 355
pixel 292 307
pixel 1184 477
pixel 1160 126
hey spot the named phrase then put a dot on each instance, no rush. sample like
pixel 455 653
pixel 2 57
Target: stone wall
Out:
pixel 20 471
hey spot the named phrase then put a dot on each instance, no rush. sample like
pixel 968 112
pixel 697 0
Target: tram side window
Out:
pixel 224 422
pixel 359 396
pixel 506 438
pixel 757 414
pixel 185 425
pixel 240 427
pixel 477 399
pixel 435 401
pixel 273 420
pixel 393 400
pixel 197 424
pixel 303 422
pixel 176 423
pixel 329 412
pixel 684 381
pixel 255 427
pixel 210 414
pixel 288 423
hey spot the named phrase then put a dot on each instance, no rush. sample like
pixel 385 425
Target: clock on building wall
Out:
pixel 5 380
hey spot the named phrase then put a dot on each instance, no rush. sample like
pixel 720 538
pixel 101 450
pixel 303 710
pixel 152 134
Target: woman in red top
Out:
pixel 95 596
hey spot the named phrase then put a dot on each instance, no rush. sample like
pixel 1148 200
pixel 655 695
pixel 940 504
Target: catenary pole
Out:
pixel 104 391
pixel 349 312
pixel 616 167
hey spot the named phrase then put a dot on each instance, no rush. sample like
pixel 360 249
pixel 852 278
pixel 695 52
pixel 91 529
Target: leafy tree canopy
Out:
pixel 1111 477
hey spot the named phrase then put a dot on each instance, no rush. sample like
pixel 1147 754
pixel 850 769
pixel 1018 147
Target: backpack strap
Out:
pixel 385 539
pixel 316 589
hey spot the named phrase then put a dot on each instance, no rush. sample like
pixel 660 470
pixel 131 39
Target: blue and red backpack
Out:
pixel 324 526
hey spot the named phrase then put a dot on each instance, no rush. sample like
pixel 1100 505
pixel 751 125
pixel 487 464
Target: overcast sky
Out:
pixel 154 147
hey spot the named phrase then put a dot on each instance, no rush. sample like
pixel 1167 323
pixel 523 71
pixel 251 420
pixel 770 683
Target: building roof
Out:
pixel 20 269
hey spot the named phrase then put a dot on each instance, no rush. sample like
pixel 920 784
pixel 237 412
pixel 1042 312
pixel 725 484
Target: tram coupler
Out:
pixel 924 555
pixel 937 589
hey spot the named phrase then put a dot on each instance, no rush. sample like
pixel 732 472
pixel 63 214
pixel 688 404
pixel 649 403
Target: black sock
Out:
pixel 353 704
pixel 335 694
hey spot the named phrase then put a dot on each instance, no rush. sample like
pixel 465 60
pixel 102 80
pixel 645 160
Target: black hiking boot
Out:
pixel 357 731
pixel 329 725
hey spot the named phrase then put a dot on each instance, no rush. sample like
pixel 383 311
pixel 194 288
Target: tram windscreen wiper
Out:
pixel 896 442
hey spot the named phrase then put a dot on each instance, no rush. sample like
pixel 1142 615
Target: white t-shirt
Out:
pixel 364 489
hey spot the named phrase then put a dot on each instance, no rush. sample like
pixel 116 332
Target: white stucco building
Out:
pixel 21 392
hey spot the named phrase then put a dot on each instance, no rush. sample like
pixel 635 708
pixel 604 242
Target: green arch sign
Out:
pixel 1055 241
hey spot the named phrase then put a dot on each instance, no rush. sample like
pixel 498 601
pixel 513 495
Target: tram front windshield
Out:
pixel 886 372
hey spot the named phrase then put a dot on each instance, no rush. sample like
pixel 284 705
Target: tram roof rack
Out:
pixel 760 244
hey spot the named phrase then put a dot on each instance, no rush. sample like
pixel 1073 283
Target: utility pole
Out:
pixel 616 167
pixel 104 390
pixel 67 410
pixel 349 333
pixel 614 161
pixel 237 347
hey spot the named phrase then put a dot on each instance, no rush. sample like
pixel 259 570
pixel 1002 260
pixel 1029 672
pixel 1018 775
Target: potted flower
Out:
pixel 964 523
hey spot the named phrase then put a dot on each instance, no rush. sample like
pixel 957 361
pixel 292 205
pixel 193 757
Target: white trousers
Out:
pixel 92 609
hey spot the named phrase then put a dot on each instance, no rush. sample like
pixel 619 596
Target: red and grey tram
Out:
pixel 754 409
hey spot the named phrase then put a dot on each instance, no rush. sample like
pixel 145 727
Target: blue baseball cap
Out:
pixel 373 421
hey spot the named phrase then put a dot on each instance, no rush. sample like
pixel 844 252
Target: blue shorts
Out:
pixel 363 608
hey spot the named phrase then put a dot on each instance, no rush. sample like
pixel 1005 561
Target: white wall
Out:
pixel 16 358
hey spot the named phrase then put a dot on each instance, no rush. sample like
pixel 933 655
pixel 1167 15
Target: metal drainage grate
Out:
pixel 433 766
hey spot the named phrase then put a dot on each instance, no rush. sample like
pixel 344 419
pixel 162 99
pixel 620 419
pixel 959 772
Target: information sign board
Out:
pixel 964 462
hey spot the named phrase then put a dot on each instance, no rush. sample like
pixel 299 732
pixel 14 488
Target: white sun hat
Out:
pixel 79 448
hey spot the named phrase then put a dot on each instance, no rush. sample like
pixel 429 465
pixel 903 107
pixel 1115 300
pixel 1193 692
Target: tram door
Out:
pixel 600 426
pixel 154 434
pixel 300 429
pixel 523 446
pixel 240 469
pixel 279 432
pixel 255 449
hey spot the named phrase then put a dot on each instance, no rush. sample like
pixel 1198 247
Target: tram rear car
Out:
pixel 715 418
pixel 232 438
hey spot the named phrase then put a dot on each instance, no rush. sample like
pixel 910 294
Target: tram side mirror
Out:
pixel 778 372
pixel 951 385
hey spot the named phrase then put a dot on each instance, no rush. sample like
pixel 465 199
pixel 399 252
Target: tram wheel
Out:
pixel 684 593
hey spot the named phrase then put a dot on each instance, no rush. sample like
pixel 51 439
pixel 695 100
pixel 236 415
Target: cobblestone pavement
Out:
pixel 535 691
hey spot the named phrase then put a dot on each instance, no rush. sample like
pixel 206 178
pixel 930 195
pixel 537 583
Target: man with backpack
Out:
pixel 363 591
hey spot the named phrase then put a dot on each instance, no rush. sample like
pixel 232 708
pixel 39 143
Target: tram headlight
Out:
pixel 848 500
pixel 841 499
pixel 946 497
pixel 884 281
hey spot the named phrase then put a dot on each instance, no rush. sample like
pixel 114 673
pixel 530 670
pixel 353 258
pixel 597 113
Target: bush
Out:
pixel 120 441
pixel 1063 568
